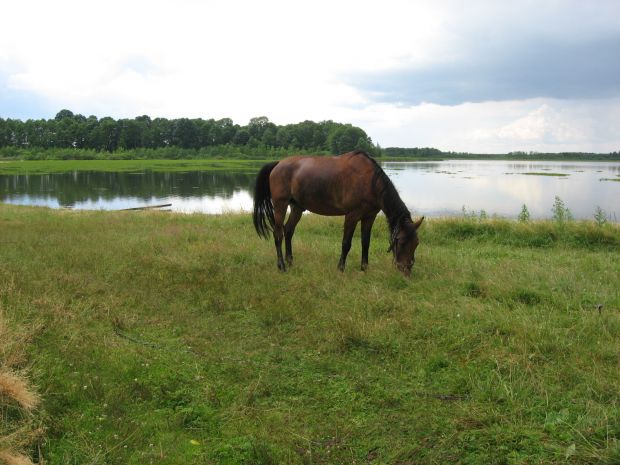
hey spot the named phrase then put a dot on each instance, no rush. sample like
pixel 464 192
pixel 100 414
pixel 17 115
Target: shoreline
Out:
pixel 12 166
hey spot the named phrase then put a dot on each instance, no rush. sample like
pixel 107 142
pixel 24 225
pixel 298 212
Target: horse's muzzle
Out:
pixel 405 269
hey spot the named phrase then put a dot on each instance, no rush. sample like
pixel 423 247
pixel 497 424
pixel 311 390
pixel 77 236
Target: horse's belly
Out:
pixel 322 201
pixel 326 210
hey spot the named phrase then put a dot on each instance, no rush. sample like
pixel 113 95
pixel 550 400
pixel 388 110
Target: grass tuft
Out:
pixel 527 297
pixel 7 458
pixel 14 387
pixel 474 289
pixel 19 426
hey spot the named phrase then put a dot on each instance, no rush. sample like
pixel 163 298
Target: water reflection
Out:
pixel 210 192
pixel 503 187
pixel 429 188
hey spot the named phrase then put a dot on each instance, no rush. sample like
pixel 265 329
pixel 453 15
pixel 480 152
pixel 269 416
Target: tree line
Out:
pixel 71 136
pixel 431 153
pixel 74 131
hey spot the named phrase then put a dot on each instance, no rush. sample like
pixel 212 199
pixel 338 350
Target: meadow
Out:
pixel 160 338
pixel 9 167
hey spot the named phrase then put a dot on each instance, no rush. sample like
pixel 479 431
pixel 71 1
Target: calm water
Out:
pixel 434 188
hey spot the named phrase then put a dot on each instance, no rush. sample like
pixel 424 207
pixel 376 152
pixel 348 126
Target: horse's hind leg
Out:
pixel 279 212
pixel 350 222
pixel 289 229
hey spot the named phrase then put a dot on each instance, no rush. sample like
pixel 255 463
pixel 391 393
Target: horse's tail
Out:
pixel 263 208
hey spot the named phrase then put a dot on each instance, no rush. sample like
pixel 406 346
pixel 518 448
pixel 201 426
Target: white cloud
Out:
pixel 237 57
pixel 544 123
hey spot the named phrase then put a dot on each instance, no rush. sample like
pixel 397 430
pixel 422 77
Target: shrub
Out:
pixel 561 214
pixel 524 216
pixel 600 216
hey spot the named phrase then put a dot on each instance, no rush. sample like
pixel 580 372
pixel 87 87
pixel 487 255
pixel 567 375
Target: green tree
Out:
pixel 347 138
pixel 5 137
pixel 64 114
pixel 130 134
pixel 185 133
pixel 106 135
pixel 283 136
pixel 225 130
pixel 242 137
pixel 257 126
pixel 161 132
pixel 90 127
pixel 65 132
pixel 205 132
pixel 269 137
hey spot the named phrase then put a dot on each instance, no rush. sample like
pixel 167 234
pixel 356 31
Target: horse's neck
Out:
pixel 391 203
pixel 393 206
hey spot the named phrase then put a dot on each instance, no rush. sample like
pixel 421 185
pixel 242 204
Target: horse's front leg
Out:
pixel 279 212
pixel 367 223
pixel 350 222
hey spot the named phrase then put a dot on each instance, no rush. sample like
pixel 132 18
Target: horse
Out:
pixel 352 184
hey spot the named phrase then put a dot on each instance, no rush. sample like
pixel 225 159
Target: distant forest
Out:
pixel 430 153
pixel 74 136
pixel 87 135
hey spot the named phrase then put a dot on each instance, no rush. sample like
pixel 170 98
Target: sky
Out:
pixel 482 76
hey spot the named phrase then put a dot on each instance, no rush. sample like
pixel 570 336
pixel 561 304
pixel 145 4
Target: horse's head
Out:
pixel 404 243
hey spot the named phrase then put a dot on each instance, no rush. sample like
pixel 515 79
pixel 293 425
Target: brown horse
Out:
pixel 353 185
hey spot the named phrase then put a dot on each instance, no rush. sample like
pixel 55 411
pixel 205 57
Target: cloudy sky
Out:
pixel 479 76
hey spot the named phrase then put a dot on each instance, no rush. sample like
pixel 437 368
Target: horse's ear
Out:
pixel 417 224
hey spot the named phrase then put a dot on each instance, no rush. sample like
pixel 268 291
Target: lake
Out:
pixel 441 188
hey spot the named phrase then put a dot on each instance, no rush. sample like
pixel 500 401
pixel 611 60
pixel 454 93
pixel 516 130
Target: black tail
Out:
pixel 263 208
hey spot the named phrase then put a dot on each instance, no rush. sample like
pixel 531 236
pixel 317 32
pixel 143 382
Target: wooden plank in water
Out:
pixel 147 207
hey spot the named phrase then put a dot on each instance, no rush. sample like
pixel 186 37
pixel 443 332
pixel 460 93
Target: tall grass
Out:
pixel 174 339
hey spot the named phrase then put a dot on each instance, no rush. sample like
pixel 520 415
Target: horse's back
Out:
pixel 324 185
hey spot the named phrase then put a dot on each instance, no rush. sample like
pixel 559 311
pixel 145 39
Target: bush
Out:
pixel 600 216
pixel 524 216
pixel 561 214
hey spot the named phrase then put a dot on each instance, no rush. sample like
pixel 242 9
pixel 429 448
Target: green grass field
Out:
pixel 157 338
pixel 64 166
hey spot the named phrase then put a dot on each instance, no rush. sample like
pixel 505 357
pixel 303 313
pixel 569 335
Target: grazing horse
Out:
pixel 353 185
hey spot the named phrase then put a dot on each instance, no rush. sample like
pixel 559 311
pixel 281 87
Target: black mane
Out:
pixel 393 206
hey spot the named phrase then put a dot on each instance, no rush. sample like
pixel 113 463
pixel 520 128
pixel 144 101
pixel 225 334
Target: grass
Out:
pixel 173 339
pixel 64 166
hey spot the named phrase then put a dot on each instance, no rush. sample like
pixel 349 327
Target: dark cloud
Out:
pixel 522 69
